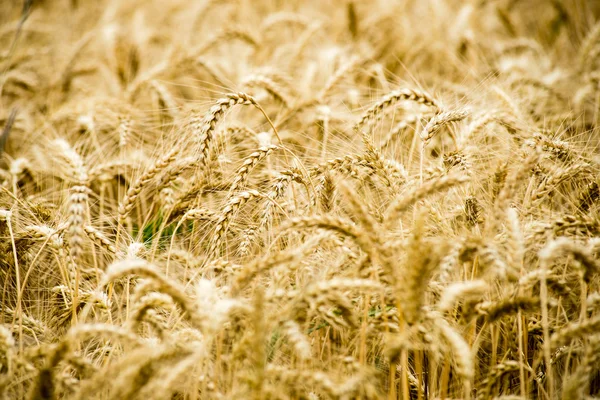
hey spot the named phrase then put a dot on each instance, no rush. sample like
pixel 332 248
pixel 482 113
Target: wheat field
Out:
pixel 320 199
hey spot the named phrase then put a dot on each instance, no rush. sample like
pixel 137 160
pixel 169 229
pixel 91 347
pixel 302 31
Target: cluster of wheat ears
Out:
pixel 325 199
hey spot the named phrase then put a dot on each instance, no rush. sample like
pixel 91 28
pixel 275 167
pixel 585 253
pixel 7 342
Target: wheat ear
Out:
pixel 224 220
pixel 241 175
pixel 439 120
pixel 203 130
pixel 136 187
pixel 389 100
pixel 436 185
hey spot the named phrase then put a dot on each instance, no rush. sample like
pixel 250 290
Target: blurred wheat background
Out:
pixel 320 199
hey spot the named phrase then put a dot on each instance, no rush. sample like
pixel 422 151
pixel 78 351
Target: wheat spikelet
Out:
pixel 449 262
pixel 6 342
pixel 361 212
pixel 511 183
pixel 75 302
pixel 163 385
pixel 198 214
pixel 183 257
pixel 26 81
pixel 341 284
pixel 100 239
pixel 135 377
pixel 135 250
pixel 167 197
pixel 490 257
pixel 458 158
pixel 571 225
pixel 19 166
